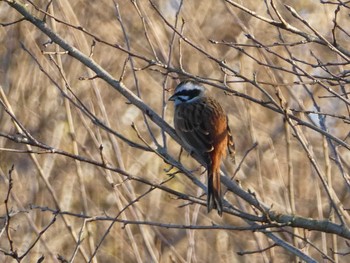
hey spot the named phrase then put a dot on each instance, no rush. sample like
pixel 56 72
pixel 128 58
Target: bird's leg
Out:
pixel 180 153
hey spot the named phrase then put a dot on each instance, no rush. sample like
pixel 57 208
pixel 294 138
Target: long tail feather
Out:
pixel 214 192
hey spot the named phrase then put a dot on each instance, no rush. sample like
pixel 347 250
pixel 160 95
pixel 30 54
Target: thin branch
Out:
pixel 13 252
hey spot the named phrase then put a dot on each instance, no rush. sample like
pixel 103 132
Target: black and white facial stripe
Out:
pixel 187 92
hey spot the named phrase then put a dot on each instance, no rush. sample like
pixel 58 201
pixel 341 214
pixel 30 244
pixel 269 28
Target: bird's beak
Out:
pixel 172 98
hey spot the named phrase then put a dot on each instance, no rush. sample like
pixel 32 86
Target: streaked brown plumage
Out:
pixel 202 125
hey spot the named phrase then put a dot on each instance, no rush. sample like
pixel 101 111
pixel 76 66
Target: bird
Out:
pixel 202 125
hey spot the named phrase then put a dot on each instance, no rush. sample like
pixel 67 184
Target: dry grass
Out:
pixel 59 182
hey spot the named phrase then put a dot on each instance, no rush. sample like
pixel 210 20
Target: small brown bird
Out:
pixel 202 125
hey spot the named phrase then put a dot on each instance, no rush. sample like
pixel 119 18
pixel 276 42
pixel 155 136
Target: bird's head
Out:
pixel 187 91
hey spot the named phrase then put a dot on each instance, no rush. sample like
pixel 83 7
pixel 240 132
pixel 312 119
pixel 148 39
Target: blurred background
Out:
pixel 263 63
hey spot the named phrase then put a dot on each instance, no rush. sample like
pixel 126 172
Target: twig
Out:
pixel 242 253
pixel 41 233
pixel 13 252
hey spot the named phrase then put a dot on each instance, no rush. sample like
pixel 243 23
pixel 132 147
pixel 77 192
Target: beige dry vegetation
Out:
pixel 50 181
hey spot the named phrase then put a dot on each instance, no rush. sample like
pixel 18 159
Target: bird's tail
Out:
pixel 214 192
